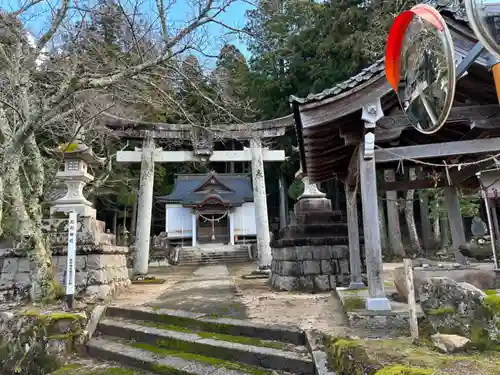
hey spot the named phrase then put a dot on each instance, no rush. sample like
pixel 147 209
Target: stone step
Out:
pixel 266 357
pixel 202 322
pixel 105 349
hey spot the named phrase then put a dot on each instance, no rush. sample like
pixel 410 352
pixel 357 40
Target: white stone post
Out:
pixel 194 220
pixel 145 207
pixel 231 228
pixel 260 200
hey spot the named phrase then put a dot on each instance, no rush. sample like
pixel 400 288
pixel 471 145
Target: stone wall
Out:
pixel 101 266
pixel 318 268
pixel 97 276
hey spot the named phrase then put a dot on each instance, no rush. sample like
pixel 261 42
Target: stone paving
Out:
pixel 209 290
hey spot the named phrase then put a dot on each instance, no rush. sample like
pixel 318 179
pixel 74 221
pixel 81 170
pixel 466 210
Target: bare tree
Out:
pixel 50 85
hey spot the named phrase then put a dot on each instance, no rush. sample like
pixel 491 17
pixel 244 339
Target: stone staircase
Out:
pixel 213 254
pixel 179 342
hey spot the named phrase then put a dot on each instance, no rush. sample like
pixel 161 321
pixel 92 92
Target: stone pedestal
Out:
pixel 311 254
pixel 101 265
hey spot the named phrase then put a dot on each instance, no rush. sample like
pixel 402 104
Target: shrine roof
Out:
pixel 192 189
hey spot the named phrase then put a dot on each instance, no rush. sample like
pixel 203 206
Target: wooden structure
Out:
pixel 210 208
pixel 351 130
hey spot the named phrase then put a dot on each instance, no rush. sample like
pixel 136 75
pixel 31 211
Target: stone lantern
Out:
pixel 77 157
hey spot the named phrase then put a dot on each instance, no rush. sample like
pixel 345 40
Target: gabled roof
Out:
pixel 193 189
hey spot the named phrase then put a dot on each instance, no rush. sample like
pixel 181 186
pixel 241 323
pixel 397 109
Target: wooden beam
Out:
pixel 456 177
pixel 465 113
pixel 438 150
pixel 353 170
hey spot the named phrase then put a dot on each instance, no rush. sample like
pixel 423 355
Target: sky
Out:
pixel 38 18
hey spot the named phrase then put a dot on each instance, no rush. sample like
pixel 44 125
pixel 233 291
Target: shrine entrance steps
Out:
pixel 213 254
pixel 180 342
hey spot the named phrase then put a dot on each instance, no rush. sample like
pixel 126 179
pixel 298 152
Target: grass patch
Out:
pixel 245 340
pixel 200 358
pixel 401 351
pixel 353 303
pixel 78 369
pixel 490 292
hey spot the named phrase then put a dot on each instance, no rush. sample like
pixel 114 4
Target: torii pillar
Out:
pixel 260 201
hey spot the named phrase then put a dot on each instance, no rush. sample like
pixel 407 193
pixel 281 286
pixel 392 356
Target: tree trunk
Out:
pixel 393 223
pixel 40 256
pixel 383 226
pixel 436 227
pixel 410 217
pixel 425 221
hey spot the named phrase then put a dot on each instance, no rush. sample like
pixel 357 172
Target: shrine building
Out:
pixel 210 208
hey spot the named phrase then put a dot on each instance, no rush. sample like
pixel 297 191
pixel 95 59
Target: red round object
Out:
pixel 397 35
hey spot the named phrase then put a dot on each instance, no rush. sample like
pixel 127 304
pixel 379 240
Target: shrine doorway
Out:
pixel 213 227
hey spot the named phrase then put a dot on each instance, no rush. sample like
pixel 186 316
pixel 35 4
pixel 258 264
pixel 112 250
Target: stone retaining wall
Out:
pixel 97 276
pixel 312 268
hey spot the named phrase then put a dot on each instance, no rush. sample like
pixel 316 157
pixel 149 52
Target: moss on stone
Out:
pixel 214 335
pixel 79 369
pixel 348 357
pixel 403 370
pixel 492 303
pixel 442 311
pixel 353 303
pixel 165 351
pixel 490 292
pixel 168 370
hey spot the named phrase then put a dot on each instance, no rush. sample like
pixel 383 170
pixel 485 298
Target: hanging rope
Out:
pixel 213 220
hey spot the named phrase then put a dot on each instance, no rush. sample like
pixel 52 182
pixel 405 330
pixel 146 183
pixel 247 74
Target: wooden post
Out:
pixel 412 305
pixel 455 221
pixel 377 299
pixel 393 223
pixel 282 200
pixel 353 232
pixel 425 221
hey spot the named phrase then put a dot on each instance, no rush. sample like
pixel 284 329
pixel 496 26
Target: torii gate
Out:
pixel 202 152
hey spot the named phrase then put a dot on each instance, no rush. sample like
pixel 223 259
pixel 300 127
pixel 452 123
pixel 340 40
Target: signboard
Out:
pixel 484 19
pixel 420 67
pixel 70 266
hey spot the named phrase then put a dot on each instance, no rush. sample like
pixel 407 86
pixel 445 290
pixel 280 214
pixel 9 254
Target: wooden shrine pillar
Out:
pixel 455 221
pixel 377 300
pixel 393 223
pixel 283 201
pixel 145 207
pixel 353 233
pixel 260 201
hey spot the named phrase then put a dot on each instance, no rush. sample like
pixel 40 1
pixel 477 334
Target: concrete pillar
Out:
pixel 393 223
pixel 283 201
pixel 377 299
pixel 145 206
pixel 231 228
pixel 455 220
pixel 260 200
pixel 194 231
pixel 353 230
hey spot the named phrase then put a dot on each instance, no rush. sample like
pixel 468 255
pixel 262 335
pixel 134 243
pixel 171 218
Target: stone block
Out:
pixel 306 283
pixel 22 279
pixel 97 277
pixel 339 252
pixel 81 263
pixel 98 291
pixel 285 283
pixel 95 261
pixel 317 253
pixel 290 268
pixel 10 266
pixel 311 267
pixel 326 267
pixel 23 265
pixel 304 253
pixel 333 280
pixel 80 278
pixel 284 253
pixel 322 283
